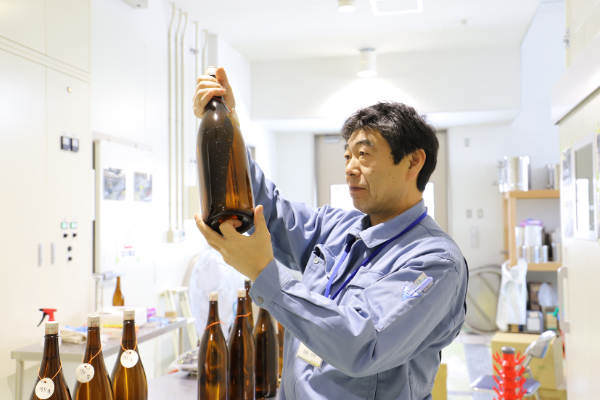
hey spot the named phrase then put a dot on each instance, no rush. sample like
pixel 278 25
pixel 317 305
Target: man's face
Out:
pixel 377 186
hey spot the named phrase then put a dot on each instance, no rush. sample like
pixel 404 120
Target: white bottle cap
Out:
pixel 242 293
pixel 213 296
pixel 129 314
pixel 248 281
pixel 93 321
pixel 52 328
pixel 212 71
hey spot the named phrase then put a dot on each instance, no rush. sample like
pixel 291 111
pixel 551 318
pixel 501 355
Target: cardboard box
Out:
pixel 548 394
pixel 549 370
pixel 440 391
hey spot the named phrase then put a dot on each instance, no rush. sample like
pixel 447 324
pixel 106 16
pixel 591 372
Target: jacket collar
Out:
pixel 373 236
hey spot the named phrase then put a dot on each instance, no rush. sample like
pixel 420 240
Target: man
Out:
pixel 383 288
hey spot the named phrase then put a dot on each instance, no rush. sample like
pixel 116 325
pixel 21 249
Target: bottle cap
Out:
pixel 129 314
pixel 52 328
pixel 248 281
pixel 172 315
pixel 213 296
pixel 242 293
pixel 212 71
pixel 93 321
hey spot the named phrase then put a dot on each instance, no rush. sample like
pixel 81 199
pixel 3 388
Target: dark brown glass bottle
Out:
pixel 129 383
pixel 223 172
pixel 118 299
pixel 51 367
pixel 241 354
pixel 99 388
pixel 280 336
pixel 266 356
pixel 248 285
pixel 213 357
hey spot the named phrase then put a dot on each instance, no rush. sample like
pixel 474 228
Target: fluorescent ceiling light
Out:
pixel 367 63
pixel 346 5
pixel 390 7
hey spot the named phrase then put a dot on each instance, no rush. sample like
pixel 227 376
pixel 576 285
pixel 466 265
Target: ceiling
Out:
pixel 289 29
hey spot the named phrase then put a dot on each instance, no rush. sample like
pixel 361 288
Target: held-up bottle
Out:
pixel 241 354
pixel 280 336
pixel 118 299
pixel 212 357
pixel 93 382
pixel 128 376
pixel 248 285
pixel 266 356
pixel 51 383
pixel 223 172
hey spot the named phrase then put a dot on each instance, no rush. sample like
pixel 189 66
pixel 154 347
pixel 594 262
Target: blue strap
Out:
pixel 369 259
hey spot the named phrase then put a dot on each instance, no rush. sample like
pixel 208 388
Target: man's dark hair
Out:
pixel 404 129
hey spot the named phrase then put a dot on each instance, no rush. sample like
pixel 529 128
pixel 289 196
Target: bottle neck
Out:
pixel 128 340
pixel 118 282
pixel 241 306
pixel 213 313
pixel 51 357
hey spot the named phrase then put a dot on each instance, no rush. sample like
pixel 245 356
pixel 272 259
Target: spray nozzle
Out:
pixel 47 312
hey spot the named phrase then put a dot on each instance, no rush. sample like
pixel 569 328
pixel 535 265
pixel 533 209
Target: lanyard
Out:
pixel 368 260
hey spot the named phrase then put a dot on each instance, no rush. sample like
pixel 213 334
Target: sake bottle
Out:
pixel 266 356
pixel 223 172
pixel 51 383
pixel 118 299
pixel 93 382
pixel 280 336
pixel 128 376
pixel 241 354
pixel 212 357
pixel 248 285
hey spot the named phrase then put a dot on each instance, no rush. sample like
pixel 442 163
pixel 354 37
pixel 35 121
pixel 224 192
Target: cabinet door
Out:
pixel 24 22
pixel 68 174
pixel 68 32
pixel 22 201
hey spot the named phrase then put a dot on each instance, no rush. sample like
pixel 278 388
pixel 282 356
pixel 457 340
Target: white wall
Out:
pixel 296 166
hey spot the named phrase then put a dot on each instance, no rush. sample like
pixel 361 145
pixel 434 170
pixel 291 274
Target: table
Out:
pixel 75 352
pixel 180 386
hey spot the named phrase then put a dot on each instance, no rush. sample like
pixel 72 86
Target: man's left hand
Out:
pixel 249 255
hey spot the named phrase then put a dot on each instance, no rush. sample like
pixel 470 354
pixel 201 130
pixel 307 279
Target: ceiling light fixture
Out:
pixel 346 5
pixel 366 64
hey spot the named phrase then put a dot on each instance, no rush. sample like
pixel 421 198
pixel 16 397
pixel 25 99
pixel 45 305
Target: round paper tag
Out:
pixel 44 388
pixel 84 373
pixel 129 358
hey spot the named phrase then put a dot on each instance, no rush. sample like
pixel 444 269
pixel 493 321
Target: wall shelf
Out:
pixel 510 222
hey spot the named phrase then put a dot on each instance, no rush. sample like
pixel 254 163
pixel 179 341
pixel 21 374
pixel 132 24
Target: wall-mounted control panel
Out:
pixel 69 144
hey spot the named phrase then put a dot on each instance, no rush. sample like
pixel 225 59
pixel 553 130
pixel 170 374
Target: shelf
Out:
pixel 550 266
pixel 533 194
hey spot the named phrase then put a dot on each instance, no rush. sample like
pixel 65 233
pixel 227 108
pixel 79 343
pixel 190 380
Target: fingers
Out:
pixel 260 223
pixel 212 237
pixel 228 229
pixel 228 96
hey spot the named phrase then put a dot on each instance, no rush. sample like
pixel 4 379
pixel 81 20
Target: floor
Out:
pixel 468 357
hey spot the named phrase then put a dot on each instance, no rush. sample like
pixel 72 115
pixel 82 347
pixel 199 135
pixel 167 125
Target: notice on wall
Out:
pixel 115 182
pixel 142 186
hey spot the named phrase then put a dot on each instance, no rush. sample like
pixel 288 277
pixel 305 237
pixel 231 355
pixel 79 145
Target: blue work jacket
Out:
pixel 377 339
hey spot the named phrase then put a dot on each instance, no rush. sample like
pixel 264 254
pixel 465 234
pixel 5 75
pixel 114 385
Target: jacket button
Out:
pixel 260 300
pixel 316 260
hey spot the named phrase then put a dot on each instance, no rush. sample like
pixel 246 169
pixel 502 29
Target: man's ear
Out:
pixel 417 159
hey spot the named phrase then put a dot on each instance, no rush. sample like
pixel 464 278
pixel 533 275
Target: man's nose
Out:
pixel 352 167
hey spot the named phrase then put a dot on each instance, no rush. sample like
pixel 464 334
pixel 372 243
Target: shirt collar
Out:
pixel 375 235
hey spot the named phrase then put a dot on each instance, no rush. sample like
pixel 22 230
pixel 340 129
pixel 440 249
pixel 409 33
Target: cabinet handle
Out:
pixel 40 254
pixel 52 253
pixel 563 275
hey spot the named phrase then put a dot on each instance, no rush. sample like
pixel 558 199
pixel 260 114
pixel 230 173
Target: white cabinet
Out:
pixel 24 22
pixel 68 32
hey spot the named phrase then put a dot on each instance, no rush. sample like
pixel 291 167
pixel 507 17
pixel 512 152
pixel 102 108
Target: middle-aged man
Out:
pixel 383 288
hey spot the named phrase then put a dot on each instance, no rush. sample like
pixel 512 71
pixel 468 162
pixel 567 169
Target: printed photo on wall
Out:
pixel 142 187
pixel 114 184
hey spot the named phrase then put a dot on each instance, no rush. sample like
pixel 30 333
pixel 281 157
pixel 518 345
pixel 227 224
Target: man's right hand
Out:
pixel 209 87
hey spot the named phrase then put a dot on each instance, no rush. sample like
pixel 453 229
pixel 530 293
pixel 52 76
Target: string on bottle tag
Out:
pixel 85 372
pixel 214 323
pixel 245 315
pixel 44 389
pixel 54 374
pixel 129 358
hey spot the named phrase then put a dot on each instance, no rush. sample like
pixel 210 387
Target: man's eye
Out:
pixel 347 157
pixel 362 153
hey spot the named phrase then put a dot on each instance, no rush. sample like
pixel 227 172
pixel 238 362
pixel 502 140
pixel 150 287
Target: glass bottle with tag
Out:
pixel 212 357
pixel 223 171
pixel 248 285
pixel 118 299
pixel 128 376
pixel 241 354
pixel 51 382
pixel 266 355
pixel 92 378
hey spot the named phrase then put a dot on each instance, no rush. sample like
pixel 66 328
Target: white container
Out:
pixel 513 174
pixel 532 235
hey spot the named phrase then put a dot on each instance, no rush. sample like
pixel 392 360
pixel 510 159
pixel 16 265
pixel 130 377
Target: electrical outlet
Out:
pixel 474 237
pixel 480 213
pixel 469 214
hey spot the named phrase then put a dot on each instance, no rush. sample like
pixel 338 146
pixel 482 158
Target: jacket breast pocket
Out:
pixel 321 261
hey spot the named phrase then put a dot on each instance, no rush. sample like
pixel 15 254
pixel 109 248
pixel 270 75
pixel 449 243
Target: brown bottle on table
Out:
pixel 212 357
pixel 248 285
pixel 223 172
pixel 280 336
pixel 241 354
pixel 50 371
pixel 266 356
pixel 118 299
pixel 128 376
pixel 99 388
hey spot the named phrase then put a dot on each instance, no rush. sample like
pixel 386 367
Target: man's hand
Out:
pixel 209 87
pixel 249 255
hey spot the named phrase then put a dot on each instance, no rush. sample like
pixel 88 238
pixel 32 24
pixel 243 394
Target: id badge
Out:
pixel 306 355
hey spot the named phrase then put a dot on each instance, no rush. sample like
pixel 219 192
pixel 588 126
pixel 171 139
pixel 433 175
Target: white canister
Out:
pixel 532 235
